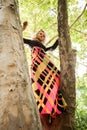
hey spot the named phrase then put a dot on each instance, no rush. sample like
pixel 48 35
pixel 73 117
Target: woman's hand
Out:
pixel 25 24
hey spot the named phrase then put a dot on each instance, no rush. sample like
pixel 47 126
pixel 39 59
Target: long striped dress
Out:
pixel 45 80
pixel 46 84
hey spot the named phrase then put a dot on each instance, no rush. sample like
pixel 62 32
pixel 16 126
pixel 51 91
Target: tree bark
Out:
pixel 67 66
pixel 18 110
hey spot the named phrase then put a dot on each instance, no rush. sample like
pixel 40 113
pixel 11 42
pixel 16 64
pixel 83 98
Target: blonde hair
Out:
pixel 40 36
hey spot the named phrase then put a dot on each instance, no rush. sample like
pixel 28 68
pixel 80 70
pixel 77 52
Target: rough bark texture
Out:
pixel 18 110
pixel 67 65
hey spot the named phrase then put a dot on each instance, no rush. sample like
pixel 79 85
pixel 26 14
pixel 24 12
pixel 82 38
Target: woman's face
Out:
pixel 41 36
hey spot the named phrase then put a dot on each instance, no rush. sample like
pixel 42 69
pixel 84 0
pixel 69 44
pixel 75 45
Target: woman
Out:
pixel 45 77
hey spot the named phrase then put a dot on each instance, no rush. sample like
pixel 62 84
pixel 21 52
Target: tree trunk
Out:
pixel 67 65
pixel 18 110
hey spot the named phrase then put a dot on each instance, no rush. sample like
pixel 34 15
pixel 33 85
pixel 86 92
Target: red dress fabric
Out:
pixel 45 83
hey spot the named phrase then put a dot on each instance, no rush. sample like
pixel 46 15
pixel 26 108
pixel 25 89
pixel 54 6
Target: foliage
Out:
pixel 43 14
pixel 81 119
pixel 81 109
pixel 40 14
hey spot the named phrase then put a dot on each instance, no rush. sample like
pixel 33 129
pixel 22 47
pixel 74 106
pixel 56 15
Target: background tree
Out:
pixel 67 64
pixel 67 67
pixel 18 109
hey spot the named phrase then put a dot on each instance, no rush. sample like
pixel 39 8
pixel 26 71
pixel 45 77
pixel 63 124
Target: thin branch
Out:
pixel 71 26
pixel 85 34
pixel 79 16
pixel 56 36
pixel 82 64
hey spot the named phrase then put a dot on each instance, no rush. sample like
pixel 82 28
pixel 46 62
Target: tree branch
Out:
pixel 71 26
pixel 82 64
pixel 51 39
pixel 85 34
pixel 78 16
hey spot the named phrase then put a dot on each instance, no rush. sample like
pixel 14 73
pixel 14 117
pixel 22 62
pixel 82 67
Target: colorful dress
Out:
pixel 46 82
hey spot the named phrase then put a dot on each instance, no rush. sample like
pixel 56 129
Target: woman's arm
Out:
pixel 28 42
pixel 54 46
pixel 33 43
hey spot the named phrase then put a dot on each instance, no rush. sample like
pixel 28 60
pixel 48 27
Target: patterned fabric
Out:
pixel 45 82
